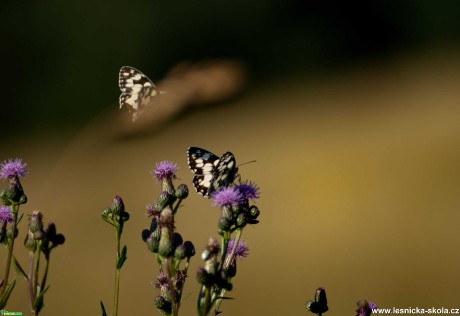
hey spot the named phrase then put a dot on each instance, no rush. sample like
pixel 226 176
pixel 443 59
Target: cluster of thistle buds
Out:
pixel 48 238
pixel 220 261
pixel 163 240
pixel 116 215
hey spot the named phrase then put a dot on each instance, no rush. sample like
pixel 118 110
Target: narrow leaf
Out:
pixel 19 269
pixel 122 258
pixel 104 313
pixel 6 294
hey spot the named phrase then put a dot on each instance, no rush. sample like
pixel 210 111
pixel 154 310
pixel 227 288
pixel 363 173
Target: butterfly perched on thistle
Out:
pixel 211 173
pixel 137 90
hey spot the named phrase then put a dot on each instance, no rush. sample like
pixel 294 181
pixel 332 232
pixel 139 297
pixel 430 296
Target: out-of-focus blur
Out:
pixel 351 112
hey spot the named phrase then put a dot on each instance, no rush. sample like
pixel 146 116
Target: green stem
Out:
pixel 228 261
pixel 14 211
pixel 117 273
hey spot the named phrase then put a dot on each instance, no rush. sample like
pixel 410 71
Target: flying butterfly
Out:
pixel 211 172
pixel 137 90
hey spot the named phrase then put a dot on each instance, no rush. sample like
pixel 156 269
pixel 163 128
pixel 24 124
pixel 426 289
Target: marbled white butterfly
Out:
pixel 211 172
pixel 136 90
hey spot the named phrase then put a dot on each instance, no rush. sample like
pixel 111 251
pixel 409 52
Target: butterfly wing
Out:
pixel 211 172
pixel 202 163
pixel 136 90
pixel 224 173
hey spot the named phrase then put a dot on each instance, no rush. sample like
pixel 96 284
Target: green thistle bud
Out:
pixel 164 199
pixel 35 222
pixel 182 191
pixel 179 252
pixel 30 243
pixel 254 212
pixel 241 220
pixel 163 305
pixel 177 240
pixel 203 277
pixel 231 271
pixel 152 244
pixel 225 224
pixel 189 249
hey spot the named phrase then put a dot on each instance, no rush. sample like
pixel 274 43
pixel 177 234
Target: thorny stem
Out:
pixel 14 211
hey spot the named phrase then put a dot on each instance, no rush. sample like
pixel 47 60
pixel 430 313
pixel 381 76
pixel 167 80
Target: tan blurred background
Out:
pixel 357 161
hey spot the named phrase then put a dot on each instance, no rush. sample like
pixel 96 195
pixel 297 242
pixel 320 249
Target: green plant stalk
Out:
pixel 14 211
pixel 34 257
pixel 228 260
pixel 117 273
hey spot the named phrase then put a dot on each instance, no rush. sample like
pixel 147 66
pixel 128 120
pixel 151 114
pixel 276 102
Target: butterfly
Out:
pixel 211 172
pixel 136 90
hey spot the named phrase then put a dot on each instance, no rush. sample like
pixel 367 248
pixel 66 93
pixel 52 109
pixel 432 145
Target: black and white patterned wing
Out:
pixel 202 163
pixel 211 172
pixel 224 173
pixel 137 90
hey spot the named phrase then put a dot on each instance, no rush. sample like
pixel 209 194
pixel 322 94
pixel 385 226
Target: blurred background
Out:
pixel 350 109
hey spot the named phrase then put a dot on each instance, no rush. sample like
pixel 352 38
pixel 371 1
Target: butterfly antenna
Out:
pixel 245 163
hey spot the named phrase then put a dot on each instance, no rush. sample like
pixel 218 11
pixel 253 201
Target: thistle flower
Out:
pixel 249 190
pixel 227 197
pixel 13 169
pixel 165 170
pixel 5 214
pixel 241 250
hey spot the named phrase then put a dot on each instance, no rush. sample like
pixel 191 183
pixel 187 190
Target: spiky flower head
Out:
pixel 165 170
pixel 241 250
pixel 249 190
pixel 227 197
pixel 13 168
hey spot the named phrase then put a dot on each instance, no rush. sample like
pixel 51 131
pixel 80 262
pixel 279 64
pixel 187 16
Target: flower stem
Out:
pixel 228 260
pixel 14 211
pixel 117 273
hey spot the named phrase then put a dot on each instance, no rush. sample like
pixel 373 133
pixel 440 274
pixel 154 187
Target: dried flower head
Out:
pixel 12 169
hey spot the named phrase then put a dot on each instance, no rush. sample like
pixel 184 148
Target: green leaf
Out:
pixel 104 313
pixel 19 219
pixel 38 302
pixel 122 258
pixel 6 294
pixel 19 269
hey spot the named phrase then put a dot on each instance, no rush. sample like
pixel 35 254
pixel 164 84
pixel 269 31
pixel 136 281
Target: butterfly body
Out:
pixel 137 90
pixel 211 173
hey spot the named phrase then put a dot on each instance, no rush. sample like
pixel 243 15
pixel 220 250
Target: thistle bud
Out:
pixel 152 244
pixel 163 305
pixel 182 191
pixel 241 220
pixel 189 249
pixel 254 212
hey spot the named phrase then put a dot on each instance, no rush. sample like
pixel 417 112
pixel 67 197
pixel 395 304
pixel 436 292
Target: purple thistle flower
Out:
pixel 165 170
pixel 248 190
pixel 227 197
pixel 241 250
pixel 5 214
pixel 12 169
pixel 162 282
